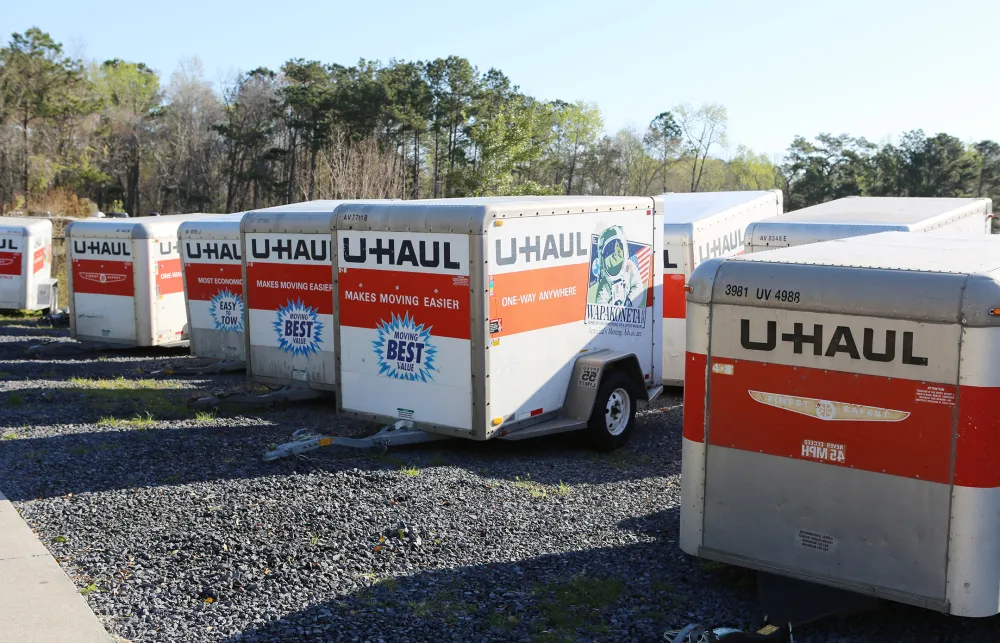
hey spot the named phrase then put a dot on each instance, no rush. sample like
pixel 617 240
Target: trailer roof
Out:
pixel 877 210
pixel 691 207
pixel 321 205
pixel 307 217
pixel 894 251
pixel 221 223
pixel 941 279
pixel 25 225
pixel 137 228
pixel 471 214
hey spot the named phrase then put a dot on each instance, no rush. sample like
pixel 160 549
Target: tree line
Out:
pixel 76 135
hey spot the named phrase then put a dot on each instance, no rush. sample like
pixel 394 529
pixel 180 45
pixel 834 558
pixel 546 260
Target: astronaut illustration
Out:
pixel 619 282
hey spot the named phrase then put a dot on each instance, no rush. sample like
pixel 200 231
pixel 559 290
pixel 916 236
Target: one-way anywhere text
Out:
pixel 532 297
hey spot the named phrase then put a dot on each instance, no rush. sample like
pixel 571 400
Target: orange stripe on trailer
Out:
pixel 10 263
pixel 978 444
pixel 205 280
pixel 369 298
pixel 103 277
pixel 168 277
pixel 694 397
pixel 541 298
pixel 884 425
pixel 674 297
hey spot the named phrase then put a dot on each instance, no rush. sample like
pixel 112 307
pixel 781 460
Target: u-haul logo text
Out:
pixel 422 254
pixel 213 250
pixel 540 248
pixel 8 243
pixel 294 249
pixel 102 248
pixel 885 348
pixel 719 247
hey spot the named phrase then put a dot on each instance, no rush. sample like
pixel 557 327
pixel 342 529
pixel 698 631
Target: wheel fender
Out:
pixel 588 373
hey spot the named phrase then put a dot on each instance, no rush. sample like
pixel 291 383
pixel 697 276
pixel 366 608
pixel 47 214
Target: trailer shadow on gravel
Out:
pixel 134 366
pixel 635 592
pixel 627 593
pixel 104 446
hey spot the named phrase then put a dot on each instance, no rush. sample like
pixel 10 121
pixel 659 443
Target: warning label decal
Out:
pixel 936 395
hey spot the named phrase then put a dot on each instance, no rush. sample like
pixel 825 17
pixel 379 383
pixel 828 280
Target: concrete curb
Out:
pixel 38 602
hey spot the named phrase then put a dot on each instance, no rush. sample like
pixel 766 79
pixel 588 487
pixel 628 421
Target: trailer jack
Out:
pixel 401 433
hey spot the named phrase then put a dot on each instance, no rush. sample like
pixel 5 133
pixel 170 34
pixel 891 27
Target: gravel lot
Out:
pixel 176 530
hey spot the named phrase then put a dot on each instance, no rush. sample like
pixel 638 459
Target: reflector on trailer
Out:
pixel 698 226
pixel 26 264
pixel 839 417
pixel 856 216
pixel 125 281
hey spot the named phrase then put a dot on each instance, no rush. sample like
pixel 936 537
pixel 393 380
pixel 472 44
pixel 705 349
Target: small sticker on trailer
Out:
pixel 588 377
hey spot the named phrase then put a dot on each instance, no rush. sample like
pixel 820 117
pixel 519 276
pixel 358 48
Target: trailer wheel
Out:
pixel 613 418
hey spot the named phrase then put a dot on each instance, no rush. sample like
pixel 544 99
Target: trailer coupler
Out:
pixel 399 434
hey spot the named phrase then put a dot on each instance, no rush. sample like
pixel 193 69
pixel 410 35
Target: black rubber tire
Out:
pixel 597 428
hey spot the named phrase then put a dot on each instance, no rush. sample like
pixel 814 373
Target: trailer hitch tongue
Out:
pixel 402 432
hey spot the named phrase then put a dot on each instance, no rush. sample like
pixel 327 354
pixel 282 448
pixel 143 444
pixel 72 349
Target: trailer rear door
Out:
pixel 829 436
pixel 405 326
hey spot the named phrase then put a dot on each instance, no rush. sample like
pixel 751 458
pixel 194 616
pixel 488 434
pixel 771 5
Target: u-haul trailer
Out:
pixel 698 226
pixel 125 282
pixel 839 417
pixel 26 264
pixel 497 317
pixel 212 264
pixel 855 216
pixel 288 254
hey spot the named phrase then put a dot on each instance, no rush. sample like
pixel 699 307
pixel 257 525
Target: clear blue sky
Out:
pixel 874 68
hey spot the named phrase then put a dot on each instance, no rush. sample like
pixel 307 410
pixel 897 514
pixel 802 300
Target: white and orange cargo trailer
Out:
pixel 211 260
pixel 288 254
pixel 839 417
pixel 857 215
pixel 698 226
pixel 26 281
pixel 125 281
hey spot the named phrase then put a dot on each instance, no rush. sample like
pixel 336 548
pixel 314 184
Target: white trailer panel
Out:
pixel 472 317
pixel 855 216
pixel 698 226
pixel 839 416
pixel 288 254
pixel 125 281
pixel 212 263
pixel 26 264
